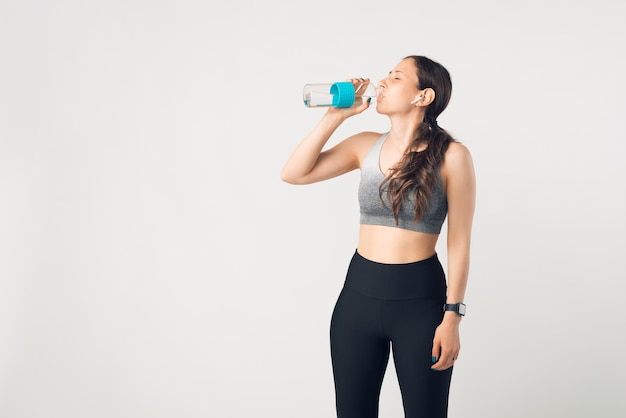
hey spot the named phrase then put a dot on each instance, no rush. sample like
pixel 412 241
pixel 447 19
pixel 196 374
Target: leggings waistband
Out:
pixel 419 279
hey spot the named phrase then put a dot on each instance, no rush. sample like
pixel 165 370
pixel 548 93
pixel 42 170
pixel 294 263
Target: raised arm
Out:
pixel 308 164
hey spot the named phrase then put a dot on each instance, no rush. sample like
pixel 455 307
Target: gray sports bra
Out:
pixel 373 212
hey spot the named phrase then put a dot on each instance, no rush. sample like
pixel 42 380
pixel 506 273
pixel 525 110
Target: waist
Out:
pixel 395 245
pixel 418 279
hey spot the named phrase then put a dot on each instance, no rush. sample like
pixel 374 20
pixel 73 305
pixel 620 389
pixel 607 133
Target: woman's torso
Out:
pixel 390 244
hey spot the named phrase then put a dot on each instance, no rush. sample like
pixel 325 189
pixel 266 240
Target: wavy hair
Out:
pixel 416 172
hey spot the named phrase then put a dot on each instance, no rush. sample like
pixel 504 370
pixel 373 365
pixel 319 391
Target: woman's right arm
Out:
pixel 308 164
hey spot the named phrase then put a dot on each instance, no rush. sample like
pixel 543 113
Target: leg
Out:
pixel 412 325
pixel 359 355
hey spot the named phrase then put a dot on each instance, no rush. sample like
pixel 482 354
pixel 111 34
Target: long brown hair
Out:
pixel 417 171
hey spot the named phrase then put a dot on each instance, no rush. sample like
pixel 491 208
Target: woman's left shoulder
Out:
pixel 457 160
pixel 457 151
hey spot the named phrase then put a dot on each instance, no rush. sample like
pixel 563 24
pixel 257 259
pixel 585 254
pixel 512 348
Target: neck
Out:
pixel 402 131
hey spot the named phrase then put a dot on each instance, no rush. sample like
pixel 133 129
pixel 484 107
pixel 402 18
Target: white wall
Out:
pixel 153 265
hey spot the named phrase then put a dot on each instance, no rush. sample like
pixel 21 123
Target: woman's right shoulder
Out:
pixel 362 142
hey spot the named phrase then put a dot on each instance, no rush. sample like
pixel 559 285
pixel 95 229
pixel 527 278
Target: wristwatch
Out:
pixel 459 308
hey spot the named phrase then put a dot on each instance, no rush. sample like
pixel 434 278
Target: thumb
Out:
pixel 366 103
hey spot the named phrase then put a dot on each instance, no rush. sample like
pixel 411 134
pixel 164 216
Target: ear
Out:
pixel 427 97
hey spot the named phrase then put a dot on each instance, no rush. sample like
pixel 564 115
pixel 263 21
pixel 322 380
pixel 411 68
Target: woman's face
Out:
pixel 398 89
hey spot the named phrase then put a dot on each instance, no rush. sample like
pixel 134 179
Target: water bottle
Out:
pixel 340 94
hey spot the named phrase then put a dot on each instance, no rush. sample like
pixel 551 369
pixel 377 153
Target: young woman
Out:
pixel 395 292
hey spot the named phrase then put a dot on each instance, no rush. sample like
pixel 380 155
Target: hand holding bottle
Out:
pixel 308 164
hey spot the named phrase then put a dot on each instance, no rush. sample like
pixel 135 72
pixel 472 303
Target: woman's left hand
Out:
pixel 447 343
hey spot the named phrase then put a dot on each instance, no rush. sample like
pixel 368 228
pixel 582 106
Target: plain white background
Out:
pixel 152 263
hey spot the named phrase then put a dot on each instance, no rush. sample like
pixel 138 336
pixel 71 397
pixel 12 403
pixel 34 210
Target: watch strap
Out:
pixel 459 308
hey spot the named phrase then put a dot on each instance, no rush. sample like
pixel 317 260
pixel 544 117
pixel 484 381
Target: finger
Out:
pixel 363 106
pixel 441 367
pixel 356 82
pixel 436 351
pixel 361 85
pixel 443 364
pixel 446 360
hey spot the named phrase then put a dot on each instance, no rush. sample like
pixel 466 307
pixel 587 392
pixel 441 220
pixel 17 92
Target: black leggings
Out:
pixel 381 304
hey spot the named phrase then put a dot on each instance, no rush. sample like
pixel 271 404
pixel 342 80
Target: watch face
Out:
pixel 461 309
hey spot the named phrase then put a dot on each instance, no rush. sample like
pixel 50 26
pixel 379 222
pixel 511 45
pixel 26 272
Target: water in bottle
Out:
pixel 340 94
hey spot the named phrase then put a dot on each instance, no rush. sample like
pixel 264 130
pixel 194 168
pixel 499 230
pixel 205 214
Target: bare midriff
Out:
pixel 391 245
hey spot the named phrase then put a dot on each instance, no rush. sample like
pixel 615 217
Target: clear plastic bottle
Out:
pixel 339 94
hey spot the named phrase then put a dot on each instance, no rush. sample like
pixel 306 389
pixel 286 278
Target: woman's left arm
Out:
pixel 458 172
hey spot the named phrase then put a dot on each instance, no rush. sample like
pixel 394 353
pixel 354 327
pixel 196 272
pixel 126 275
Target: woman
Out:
pixel 395 292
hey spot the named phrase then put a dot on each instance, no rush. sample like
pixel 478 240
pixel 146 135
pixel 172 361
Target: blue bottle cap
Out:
pixel 343 94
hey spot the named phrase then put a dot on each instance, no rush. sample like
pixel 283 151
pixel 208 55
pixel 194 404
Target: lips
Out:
pixel 381 93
